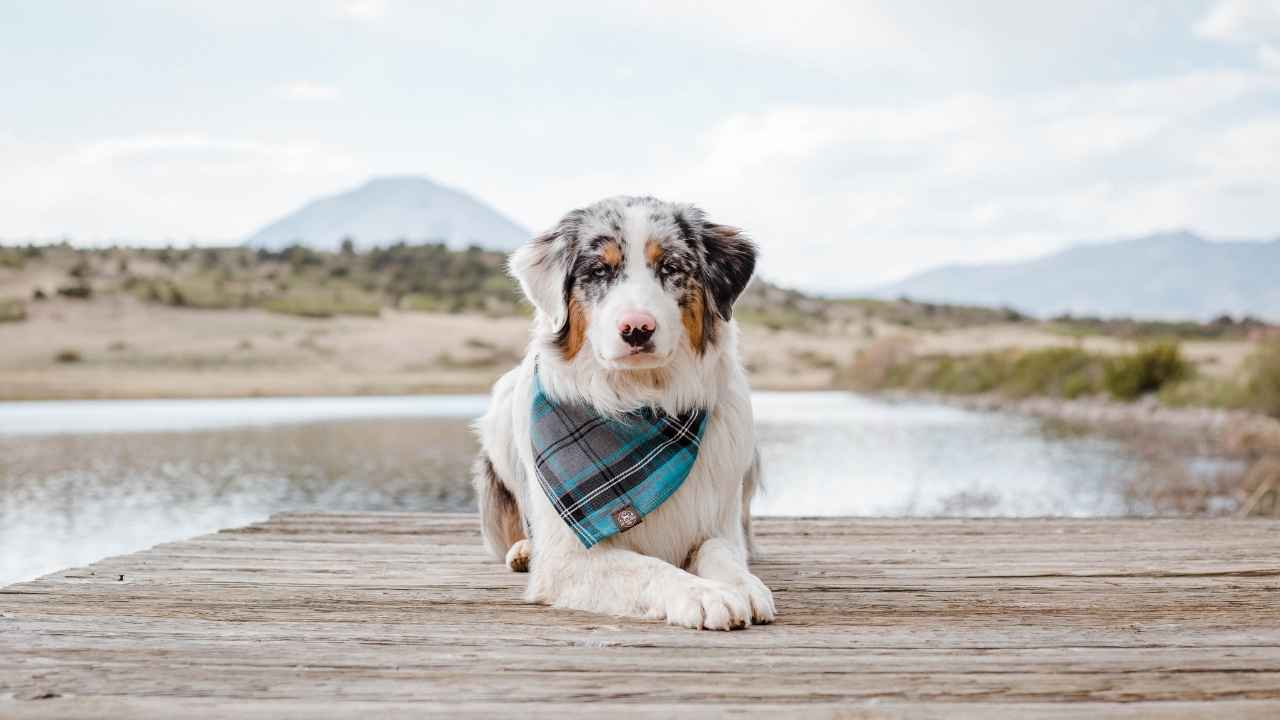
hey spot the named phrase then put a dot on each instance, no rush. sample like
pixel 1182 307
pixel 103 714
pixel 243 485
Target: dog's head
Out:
pixel 633 280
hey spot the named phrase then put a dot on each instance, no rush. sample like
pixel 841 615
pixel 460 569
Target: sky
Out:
pixel 856 141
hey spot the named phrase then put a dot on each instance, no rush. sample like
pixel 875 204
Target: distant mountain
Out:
pixel 387 209
pixel 1165 276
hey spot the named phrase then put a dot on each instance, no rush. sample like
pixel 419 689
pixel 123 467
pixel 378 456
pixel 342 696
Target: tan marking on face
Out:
pixel 693 315
pixel 577 335
pixel 611 253
pixel 653 252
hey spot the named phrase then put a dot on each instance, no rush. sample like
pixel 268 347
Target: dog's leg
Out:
pixel 620 582
pixel 724 560
pixel 500 521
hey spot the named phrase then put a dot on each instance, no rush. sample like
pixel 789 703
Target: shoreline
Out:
pixel 184 387
pixel 1231 432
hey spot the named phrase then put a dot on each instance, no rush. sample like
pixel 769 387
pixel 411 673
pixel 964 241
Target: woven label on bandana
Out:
pixel 626 518
pixel 604 474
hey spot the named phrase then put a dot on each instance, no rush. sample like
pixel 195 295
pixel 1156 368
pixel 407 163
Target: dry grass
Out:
pixel 1255 386
pixel 149 300
pixel 12 310
pixel 873 364
pixel 1263 373
pixel 1262 483
pixel 324 304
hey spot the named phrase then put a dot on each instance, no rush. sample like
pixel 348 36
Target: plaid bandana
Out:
pixel 604 474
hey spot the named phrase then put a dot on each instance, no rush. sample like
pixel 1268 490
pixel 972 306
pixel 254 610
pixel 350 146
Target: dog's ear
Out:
pixel 729 260
pixel 542 266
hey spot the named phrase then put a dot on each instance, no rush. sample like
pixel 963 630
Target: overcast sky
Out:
pixel 856 141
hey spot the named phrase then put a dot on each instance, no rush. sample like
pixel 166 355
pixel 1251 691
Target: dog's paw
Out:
pixel 518 556
pixel 761 599
pixel 707 605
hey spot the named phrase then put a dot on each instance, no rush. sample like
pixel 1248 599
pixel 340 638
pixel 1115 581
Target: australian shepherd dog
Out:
pixel 633 300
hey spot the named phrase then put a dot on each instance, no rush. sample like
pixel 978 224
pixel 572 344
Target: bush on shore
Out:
pixel 1062 372
pixel 1263 378
pixel 1256 387
pixel 1146 371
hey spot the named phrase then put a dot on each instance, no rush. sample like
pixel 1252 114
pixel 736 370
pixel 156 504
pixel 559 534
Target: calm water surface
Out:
pixel 83 480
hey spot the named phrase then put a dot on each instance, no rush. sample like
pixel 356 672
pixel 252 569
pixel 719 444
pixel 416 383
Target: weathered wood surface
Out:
pixel 319 615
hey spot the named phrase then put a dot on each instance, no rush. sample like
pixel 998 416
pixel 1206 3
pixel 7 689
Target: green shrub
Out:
pixel 1222 327
pixel 200 293
pixel 1062 372
pixel 204 295
pixel 68 355
pixel 967 374
pixel 1263 378
pixel 1206 391
pixel 82 291
pixel 1153 366
pixel 1057 371
pixel 11 259
pixel 421 302
pixel 12 310
pixel 324 305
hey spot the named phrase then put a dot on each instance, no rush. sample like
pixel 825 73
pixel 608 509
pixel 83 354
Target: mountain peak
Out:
pixel 391 208
pixel 1174 274
pixel 1181 236
pixel 385 181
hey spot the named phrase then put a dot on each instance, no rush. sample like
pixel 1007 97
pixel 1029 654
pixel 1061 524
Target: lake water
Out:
pixel 80 481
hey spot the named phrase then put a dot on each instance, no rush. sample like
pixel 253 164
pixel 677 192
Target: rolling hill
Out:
pixel 1176 275
pixel 385 210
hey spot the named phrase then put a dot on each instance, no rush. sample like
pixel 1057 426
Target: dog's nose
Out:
pixel 637 327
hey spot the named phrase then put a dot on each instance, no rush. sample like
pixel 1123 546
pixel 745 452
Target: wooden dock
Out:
pixel 390 615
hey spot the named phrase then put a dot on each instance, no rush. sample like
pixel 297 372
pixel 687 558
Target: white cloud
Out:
pixel 857 141
pixel 807 28
pixel 309 91
pixel 184 186
pixel 365 10
pixel 878 191
pixel 847 196
pixel 1241 21
pixel 1269 57
pixel 1248 23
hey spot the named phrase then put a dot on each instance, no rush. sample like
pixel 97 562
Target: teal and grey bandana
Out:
pixel 604 474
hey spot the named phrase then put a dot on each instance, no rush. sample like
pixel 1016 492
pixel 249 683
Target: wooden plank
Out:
pixel 401 614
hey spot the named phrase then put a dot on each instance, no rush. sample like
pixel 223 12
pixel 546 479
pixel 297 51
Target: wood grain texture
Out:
pixel 403 615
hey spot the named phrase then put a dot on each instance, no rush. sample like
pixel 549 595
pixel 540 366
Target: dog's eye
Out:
pixel 600 271
pixel 669 268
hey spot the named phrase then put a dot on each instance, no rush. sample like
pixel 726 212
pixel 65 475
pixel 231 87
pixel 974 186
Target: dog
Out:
pixel 633 301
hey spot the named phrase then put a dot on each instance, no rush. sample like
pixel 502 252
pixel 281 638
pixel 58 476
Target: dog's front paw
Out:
pixel 761 598
pixel 518 556
pixel 707 605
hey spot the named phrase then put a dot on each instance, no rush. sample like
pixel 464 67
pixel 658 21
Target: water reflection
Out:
pixel 72 499
pixel 69 496
pixel 840 454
